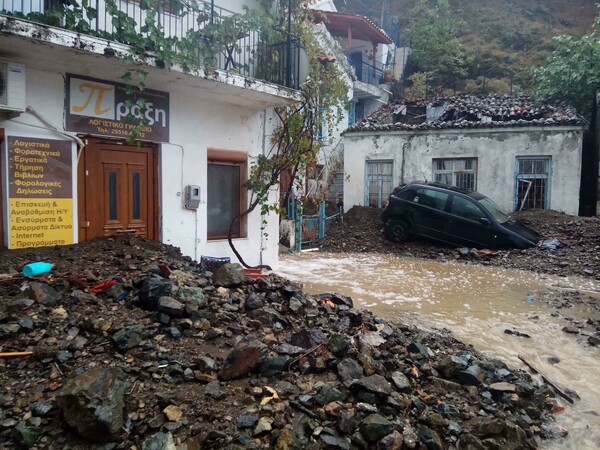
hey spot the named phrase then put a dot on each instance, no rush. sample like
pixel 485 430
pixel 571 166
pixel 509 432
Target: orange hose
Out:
pixel 9 354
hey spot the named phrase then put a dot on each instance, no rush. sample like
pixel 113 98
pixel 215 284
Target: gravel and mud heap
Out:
pixel 134 346
pixel 362 231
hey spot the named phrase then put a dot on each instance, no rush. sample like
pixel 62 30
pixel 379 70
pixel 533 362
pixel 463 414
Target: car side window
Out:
pixel 465 208
pixel 407 194
pixel 431 198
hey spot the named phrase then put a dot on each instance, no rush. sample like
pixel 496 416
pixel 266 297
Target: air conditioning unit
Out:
pixel 12 87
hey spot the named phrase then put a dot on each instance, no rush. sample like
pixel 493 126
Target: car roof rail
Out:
pixel 450 188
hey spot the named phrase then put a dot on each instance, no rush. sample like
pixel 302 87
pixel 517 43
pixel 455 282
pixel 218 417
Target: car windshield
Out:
pixel 493 209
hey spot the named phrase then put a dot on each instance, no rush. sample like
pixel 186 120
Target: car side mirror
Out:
pixel 485 221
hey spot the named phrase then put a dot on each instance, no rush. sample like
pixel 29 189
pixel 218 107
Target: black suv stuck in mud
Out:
pixel 453 216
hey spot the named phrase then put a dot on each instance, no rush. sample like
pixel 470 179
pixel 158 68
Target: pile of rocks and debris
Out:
pixel 134 346
pixel 362 231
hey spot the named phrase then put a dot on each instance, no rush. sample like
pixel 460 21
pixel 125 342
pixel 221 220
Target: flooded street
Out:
pixel 478 304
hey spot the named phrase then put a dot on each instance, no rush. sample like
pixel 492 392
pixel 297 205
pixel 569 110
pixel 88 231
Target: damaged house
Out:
pixel 521 155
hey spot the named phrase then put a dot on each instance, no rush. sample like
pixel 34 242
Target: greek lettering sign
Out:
pixel 107 109
pixel 40 192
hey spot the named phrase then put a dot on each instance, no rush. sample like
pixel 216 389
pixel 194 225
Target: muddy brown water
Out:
pixel 478 304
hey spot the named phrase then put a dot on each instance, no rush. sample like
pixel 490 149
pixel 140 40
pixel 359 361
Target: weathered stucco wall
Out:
pixel 196 124
pixel 496 152
pixel 218 126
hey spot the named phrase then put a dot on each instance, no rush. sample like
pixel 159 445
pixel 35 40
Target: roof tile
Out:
pixel 466 112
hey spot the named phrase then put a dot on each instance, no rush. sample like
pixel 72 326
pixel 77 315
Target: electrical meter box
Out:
pixel 192 196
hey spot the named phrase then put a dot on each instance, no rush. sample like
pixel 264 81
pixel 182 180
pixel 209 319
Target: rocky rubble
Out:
pixel 134 346
pixel 362 231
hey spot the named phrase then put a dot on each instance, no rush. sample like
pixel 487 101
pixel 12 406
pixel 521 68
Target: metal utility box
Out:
pixel 192 196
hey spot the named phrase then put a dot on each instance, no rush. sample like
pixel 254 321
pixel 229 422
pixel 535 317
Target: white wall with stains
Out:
pixel 197 122
pixel 495 149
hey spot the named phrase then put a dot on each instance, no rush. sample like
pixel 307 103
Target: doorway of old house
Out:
pixel 118 192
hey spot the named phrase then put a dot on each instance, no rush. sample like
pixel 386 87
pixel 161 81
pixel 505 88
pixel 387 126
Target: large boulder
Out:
pixel 44 294
pixel 171 307
pixel 159 441
pixel 193 296
pixel 92 403
pixel 308 338
pixel 229 275
pixel 374 383
pixel 374 427
pixel 153 288
pixel 242 360
pixel 129 337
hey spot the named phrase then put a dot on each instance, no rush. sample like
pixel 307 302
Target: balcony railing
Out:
pixel 245 52
pixel 367 73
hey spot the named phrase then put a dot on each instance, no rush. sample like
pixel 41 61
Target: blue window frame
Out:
pixel 378 182
pixel 532 182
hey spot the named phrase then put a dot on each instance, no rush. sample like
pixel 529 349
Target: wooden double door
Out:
pixel 118 192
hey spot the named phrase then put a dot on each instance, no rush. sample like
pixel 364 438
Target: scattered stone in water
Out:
pixel 570 330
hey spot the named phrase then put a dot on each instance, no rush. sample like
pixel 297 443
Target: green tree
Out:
pixel 572 71
pixel 418 89
pixel 436 48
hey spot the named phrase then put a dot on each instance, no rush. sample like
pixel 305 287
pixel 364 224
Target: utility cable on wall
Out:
pixel 54 128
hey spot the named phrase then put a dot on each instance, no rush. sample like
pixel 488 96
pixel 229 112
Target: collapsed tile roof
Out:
pixel 466 112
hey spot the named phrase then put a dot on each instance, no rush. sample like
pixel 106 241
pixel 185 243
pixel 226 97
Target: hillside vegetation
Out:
pixel 503 38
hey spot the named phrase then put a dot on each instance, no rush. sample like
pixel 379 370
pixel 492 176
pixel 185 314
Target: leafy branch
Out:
pixel 293 144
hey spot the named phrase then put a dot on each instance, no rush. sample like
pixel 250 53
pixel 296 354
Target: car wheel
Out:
pixel 396 231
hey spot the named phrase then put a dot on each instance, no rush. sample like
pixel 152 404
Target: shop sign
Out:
pixel 40 192
pixel 107 109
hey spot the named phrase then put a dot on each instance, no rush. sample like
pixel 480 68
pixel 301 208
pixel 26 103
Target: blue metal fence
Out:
pixel 310 230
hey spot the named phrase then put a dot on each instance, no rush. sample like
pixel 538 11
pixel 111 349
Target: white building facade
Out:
pixel 68 173
pixel 499 163
pixel 520 154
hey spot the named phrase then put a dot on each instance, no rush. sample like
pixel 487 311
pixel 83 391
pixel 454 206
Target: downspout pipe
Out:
pixel 404 147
